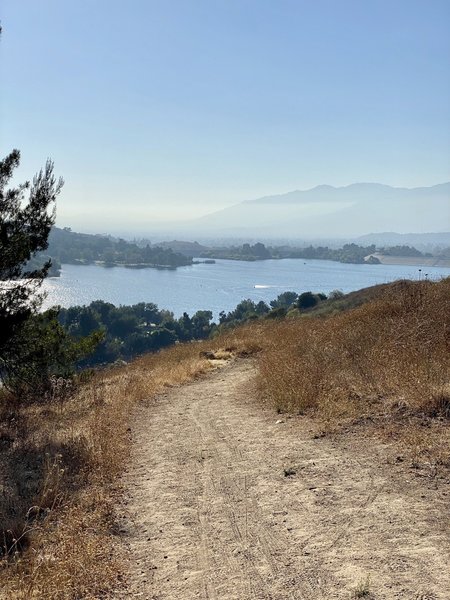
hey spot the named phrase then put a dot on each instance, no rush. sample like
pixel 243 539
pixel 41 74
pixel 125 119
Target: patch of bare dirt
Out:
pixel 226 500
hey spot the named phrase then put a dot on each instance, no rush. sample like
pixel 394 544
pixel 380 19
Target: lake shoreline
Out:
pixel 220 286
pixel 383 259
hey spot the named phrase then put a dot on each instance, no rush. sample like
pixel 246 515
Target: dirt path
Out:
pixel 212 514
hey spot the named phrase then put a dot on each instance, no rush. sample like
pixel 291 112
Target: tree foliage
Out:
pixel 27 213
pixel 131 330
pixel 307 300
pixel 33 346
pixel 41 350
pixel 284 300
pixel 66 246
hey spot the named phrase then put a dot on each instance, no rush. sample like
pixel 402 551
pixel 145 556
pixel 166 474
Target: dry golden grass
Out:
pixel 386 360
pixel 61 461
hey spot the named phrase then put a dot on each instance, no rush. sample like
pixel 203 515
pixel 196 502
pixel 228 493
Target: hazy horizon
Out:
pixel 165 111
pixel 320 213
pixel 170 223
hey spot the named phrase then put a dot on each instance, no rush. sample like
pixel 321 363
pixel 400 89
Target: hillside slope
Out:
pixel 228 492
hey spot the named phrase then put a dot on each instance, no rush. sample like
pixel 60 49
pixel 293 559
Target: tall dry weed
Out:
pixel 395 347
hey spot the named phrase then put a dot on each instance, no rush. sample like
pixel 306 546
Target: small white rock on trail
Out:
pixel 211 513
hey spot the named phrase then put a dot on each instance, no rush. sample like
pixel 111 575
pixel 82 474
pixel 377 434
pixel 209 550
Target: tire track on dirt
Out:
pixel 211 514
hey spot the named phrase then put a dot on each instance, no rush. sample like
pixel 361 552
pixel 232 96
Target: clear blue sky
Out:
pixel 164 108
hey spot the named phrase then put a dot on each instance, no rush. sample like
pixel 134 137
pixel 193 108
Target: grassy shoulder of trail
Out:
pixel 61 458
pixel 378 358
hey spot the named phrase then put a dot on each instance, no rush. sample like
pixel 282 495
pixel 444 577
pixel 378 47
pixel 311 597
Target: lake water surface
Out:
pixel 219 286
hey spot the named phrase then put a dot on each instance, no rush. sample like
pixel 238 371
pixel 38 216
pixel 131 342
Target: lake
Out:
pixel 219 286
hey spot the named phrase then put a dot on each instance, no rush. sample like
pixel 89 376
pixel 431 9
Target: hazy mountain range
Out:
pixel 331 212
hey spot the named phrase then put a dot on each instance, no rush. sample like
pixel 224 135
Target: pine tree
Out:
pixel 27 213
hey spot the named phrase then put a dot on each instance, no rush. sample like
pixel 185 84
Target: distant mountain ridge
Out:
pixel 324 211
pixel 326 192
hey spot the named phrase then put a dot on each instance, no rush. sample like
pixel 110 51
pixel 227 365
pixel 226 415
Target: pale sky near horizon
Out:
pixel 162 109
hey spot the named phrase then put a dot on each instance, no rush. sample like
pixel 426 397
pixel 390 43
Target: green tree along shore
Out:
pixel 349 253
pixel 128 331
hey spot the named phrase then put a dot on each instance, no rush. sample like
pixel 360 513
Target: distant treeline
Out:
pixel 128 331
pixel 349 253
pixel 66 246
pixel 403 251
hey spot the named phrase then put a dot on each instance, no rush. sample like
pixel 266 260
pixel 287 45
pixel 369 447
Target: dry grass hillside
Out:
pixel 385 363
pixel 380 362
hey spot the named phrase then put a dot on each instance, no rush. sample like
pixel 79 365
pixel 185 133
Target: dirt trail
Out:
pixel 212 515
